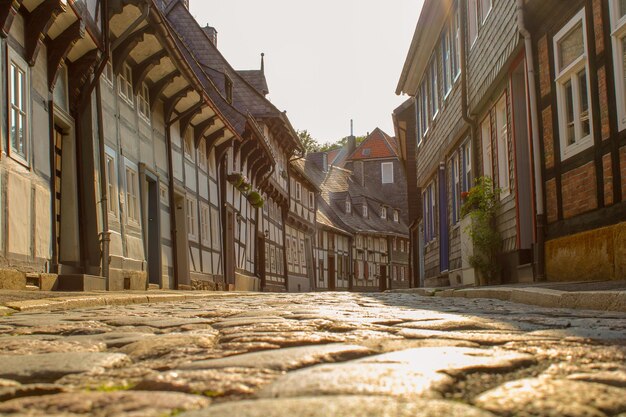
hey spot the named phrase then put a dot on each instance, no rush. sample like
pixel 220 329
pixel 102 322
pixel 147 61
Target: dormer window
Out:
pixel 365 212
pixel 366 152
pixel 396 216
pixel 383 213
pixel 228 88
pixel 348 207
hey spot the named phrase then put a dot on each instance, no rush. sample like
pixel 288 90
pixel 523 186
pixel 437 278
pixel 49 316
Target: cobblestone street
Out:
pixel 318 355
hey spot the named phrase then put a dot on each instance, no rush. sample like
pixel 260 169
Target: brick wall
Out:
pixel 579 191
pixel 545 81
pixel 548 137
pixel 604 103
pixel 607 169
pixel 598 24
pixel 552 208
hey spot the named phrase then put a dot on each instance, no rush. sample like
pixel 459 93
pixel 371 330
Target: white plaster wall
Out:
pixel 129 142
pixel 147 153
pixel 190 175
pixel 43 226
pixel 19 214
pixel 203 186
pixel 135 248
pixel 206 262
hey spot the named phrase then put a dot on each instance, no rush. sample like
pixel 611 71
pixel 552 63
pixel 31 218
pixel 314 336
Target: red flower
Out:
pixel 464 195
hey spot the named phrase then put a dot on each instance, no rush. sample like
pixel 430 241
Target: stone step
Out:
pixel 153 287
pixel 525 273
pixel 81 282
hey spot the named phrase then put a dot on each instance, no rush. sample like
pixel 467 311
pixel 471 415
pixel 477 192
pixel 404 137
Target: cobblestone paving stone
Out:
pixel 321 354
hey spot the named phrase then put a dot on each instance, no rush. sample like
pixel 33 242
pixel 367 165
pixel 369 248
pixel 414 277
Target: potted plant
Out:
pixel 236 179
pixel 479 213
pixel 255 199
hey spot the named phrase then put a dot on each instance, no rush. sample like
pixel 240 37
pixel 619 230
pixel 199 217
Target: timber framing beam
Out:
pixel 38 23
pixel 201 128
pixel 117 6
pixel 212 139
pixel 79 73
pixel 187 115
pixel 123 50
pixel 60 47
pixel 220 151
pixel 8 10
pixel 170 103
pixel 141 71
pixel 160 86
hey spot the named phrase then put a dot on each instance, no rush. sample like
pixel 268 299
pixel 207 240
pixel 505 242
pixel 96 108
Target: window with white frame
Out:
pixel 396 216
pixel 618 34
pixel 111 179
pixel 205 221
pixel 192 232
pixel 502 140
pixel 383 213
pixel 485 131
pixel 19 96
pixel 311 200
pixel 387 172
pixel 430 205
pixel 108 73
pixel 572 84
pixel 215 228
pixel 455 168
pixel 433 88
pixel 466 168
pixel 365 210
pixel 132 195
pixel 395 243
pixel 202 159
pixel 456 44
pixel 348 206
pixel 424 108
pixel 143 102
pixel 472 24
pixel 298 191
pixel 485 10
pixel 163 194
pixel 126 84
pixel 188 144
pixel 446 70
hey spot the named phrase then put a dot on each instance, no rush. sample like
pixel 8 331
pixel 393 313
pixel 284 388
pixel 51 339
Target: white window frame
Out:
pixel 430 207
pixel 383 213
pixel 472 24
pixel 298 192
pixel 446 63
pixel 396 216
pixel 131 180
pixel 203 162
pixel 456 49
pixel 348 206
pixel 485 139
pixel 433 87
pixel 502 143
pixel 143 103
pixel 455 165
pixel 15 60
pixel 111 182
pixel 384 165
pixel 188 146
pixel 108 73
pixel 485 15
pixel 205 224
pixel 466 166
pixel 365 211
pixel 618 38
pixel 125 80
pixel 215 228
pixel 570 73
pixel 311 200
pixel 191 209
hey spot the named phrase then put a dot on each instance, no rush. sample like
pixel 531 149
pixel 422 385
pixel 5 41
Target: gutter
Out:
pixel 539 259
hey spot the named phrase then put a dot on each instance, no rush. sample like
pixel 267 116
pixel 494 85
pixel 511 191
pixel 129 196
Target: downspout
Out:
pixel 471 121
pixel 173 228
pixel 534 116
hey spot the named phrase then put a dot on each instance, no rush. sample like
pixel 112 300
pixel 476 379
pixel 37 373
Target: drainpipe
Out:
pixel 173 228
pixel 471 121
pixel 534 116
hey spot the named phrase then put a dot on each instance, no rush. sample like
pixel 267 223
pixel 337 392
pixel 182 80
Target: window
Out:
pixel 466 169
pixel 191 218
pixel 502 136
pixel 311 200
pixel 111 179
pixel 387 172
pixel 365 212
pixel 132 195
pixel 429 212
pixel 455 168
pixel 485 130
pixel 456 44
pixel 164 195
pixel 433 88
pixel 396 216
pixel 472 25
pixel 383 213
pixel 302 254
pixel 445 63
pixel 572 83
pixel 215 228
pixel 395 244
pixel 485 9
pixel 348 207
pixel 126 84
pixel 202 160
pixel 108 73
pixel 618 33
pixel 188 144
pixel 423 112
pixel 18 103
pixel 298 191
pixel 143 100
pixel 204 224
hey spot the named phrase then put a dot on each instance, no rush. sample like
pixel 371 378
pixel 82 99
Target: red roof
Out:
pixel 377 145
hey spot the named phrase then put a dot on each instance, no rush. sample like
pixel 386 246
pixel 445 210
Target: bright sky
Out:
pixel 326 61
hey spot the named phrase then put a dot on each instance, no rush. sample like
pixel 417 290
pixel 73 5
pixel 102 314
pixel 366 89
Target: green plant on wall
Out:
pixel 482 203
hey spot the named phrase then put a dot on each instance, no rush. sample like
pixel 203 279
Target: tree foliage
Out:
pixel 310 144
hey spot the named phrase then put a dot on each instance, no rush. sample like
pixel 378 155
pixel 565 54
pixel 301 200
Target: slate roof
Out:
pixel 336 186
pixel 377 145
pixel 256 78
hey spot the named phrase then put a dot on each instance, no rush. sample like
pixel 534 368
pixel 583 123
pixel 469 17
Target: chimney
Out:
pixel 211 33
pixel 351 139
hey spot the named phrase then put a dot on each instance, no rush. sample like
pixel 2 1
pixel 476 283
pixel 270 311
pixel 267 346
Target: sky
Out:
pixel 326 61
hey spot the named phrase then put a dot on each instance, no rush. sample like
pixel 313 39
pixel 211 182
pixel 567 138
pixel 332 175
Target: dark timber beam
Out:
pixel 141 71
pixel 38 23
pixel 60 47
pixel 200 129
pixel 123 50
pixel 160 86
pixel 247 149
pixel 220 151
pixel 212 139
pixel 117 6
pixel 185 118
pixel 8 10
pixel 170 103
pixel 79 73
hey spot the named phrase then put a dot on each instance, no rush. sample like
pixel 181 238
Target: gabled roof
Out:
pixel 377 145
pixel 256 78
